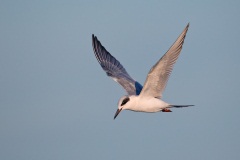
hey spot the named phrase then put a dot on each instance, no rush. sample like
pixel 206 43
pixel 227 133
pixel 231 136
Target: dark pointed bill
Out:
pixel 118 111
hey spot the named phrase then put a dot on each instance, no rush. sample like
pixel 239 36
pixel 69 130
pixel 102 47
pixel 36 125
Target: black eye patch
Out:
pixel 125 101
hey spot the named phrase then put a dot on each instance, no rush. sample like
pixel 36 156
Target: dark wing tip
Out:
pixel 94 38
pixel 96 44
pixel 186 28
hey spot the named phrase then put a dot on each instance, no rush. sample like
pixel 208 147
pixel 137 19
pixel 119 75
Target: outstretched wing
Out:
pixel 158 75
pixel 114 69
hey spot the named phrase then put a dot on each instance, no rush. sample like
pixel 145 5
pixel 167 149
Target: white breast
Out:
pixel 146 104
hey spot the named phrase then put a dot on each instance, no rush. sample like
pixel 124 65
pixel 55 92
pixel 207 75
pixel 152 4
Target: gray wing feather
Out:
pixel 158 75
pixel 113 67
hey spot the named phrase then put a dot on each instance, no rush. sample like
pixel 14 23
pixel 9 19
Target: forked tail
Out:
pixel 175 106
pixel 179 106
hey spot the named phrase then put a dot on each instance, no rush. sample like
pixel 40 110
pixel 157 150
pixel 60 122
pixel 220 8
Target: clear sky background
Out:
pixel 57 103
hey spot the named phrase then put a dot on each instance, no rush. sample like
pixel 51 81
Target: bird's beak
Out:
pixel 118 111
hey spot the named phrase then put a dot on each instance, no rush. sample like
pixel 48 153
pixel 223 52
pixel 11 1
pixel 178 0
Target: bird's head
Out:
pixel 122 104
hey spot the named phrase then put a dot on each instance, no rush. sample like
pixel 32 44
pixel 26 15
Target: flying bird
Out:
pixel 149 97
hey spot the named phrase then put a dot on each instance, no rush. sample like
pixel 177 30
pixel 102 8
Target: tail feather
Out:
pixel 179 106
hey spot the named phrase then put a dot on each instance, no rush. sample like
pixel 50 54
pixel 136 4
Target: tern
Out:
pixel 149 97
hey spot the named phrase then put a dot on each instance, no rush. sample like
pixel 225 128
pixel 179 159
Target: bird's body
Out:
pixel 148 97
pixel 144 104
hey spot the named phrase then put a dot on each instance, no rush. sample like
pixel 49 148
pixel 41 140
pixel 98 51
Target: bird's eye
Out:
pixel 125 101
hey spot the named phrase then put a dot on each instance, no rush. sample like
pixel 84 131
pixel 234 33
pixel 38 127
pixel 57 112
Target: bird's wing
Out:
pixel 114 69
pixel 158 75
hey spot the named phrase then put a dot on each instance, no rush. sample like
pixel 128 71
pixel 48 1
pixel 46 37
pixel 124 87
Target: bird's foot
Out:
pixel 166 110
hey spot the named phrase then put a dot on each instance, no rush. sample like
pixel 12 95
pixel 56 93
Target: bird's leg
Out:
pixel 166 110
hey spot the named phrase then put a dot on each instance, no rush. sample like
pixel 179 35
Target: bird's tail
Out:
pixel 174 106
pixel 179 106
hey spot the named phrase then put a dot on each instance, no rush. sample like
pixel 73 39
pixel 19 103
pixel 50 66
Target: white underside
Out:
pixel 145 104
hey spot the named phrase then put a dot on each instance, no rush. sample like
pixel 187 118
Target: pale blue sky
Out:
pixel 57 103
